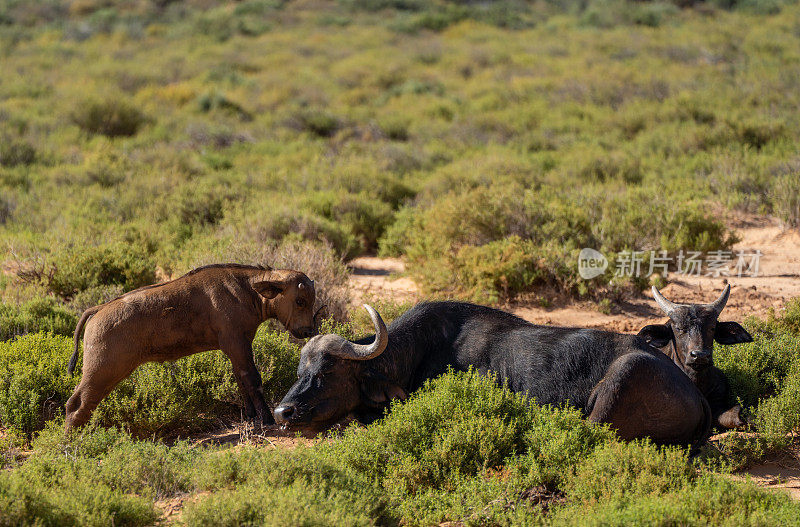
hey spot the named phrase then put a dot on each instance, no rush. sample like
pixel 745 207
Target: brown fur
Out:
pixel 213 307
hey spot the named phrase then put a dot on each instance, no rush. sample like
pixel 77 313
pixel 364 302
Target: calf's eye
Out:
pixel 300 302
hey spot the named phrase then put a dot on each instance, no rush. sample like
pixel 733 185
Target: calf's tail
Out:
pixel 77 336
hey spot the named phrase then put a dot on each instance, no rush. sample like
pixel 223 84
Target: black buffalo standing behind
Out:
pixel 613 378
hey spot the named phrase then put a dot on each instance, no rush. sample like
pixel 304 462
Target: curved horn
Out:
pixel 367 351
pixel 665 305
pixel 719 304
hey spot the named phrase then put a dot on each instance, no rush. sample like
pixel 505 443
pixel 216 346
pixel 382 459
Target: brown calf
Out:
pixel 213 307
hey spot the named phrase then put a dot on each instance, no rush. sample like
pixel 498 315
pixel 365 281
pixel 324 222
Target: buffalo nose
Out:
pixel 283 413
pixel 699 354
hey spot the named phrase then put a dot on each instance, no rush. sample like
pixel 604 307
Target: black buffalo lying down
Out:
pixel 613 378
pixel 688 339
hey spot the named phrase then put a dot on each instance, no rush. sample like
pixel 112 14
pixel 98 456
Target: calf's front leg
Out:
pixel 240 352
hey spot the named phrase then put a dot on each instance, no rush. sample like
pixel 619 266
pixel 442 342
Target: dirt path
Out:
pixel 379 277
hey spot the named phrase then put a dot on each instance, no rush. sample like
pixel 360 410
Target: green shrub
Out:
pixel 94 477
pixel 34 384
pixel 316 122
pixel 653 14
pixel 107 167
pixel 365 216
pixel 626 472
pixel 292 225
pixel 14 153
pixel 765 377
pixel 497 270
pixel 7 207
pixel 284 488
pixel 39 314
pixel 109 117
pixel 76 269
pixel 709 500
pixel 785 198
pixel 435 457
pixel 218 101
pixel 489 243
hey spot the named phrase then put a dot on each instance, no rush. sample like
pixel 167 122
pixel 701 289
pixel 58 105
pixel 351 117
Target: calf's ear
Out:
pixel 379 391
pixel 658 335
pixel 269 289
pixel 731 333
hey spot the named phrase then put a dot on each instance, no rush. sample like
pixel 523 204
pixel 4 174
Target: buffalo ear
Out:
pixel 379 390
pixel 269 289
pixel 731 333
pixel 657 335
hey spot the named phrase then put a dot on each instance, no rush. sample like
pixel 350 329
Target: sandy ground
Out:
pixel 779 472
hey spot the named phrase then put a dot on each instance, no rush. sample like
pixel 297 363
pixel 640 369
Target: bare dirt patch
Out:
pixel 171 509
pixel 245 433
pixel 779 471
pixel 380 277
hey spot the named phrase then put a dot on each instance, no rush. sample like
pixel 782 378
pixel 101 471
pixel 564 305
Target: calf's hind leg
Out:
pixel 642 396
pixel 96 383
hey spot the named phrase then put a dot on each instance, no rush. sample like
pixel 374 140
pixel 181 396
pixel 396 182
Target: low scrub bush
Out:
pixel 75 269
pixel 280 487
pixel 40 314
pixel 218 101
pixel 785 198
pixel 94 477
pixel 109 117
pixel 490 243
pixel 15 153
pixel 434 458
pixel 293 224
pixel 365 216
pixel 765 377
pixel 34 384
pixel 627 472
pixel 461 449
pixel 711 499
pixel 316 122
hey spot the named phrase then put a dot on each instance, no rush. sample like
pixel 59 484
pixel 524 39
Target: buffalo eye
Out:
pixel 300 302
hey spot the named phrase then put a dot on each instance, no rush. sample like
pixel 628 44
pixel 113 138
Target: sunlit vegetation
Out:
pixel 462 448
pixel 485 142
